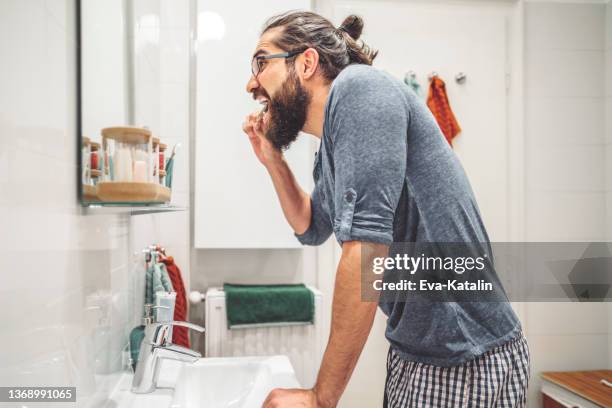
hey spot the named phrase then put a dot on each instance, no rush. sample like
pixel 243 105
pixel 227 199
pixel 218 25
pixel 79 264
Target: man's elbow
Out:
pixel 312 237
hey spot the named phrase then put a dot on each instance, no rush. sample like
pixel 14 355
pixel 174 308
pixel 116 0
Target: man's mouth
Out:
pixel 264 102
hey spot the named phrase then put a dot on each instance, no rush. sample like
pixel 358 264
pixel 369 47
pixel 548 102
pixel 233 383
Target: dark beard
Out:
pixel 287 112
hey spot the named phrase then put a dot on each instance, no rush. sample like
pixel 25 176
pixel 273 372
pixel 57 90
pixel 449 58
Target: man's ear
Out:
pixel 311 62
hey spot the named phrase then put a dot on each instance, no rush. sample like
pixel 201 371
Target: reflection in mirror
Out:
pixel 122 163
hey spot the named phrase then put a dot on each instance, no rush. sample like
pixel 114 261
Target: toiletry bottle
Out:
pixel 137 334
pixel 165 302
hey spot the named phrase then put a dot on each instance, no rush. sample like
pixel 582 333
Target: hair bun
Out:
pixel 353 26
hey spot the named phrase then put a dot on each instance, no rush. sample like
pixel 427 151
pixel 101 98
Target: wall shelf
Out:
pixel 129 208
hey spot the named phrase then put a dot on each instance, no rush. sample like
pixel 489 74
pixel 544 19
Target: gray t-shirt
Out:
pixel 384 173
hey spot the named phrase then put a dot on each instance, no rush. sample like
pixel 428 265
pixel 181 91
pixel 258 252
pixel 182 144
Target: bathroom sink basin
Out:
pixel 232 382
pixel 225 382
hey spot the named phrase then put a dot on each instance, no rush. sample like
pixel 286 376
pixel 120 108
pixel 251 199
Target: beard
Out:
pixel 287 110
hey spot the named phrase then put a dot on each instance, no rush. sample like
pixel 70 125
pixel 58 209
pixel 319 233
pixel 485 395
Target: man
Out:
pixel 383 174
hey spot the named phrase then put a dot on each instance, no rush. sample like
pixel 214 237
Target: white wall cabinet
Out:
pixel 235 202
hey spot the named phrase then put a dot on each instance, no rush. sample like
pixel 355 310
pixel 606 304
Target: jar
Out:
pixel 130 154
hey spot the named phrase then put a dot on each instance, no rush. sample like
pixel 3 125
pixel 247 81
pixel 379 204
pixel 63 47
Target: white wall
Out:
pixel 608 138
pixel 564 121
pixel 565 171
pixel 104 96
pixel 66 281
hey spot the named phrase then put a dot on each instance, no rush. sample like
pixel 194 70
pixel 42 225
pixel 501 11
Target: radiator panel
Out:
pixel 303 344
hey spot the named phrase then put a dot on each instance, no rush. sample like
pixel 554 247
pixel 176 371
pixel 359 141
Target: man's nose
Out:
pixel 252 84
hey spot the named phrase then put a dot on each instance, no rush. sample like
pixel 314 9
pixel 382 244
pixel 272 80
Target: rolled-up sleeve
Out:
pixel 369 154
pixel 320 227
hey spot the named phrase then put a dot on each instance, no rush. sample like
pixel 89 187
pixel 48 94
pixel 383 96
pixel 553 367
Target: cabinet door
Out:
pixel 235 202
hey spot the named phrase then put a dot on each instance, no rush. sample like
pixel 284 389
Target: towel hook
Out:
pixel 153 250
pixel 460 77
pixel 432 74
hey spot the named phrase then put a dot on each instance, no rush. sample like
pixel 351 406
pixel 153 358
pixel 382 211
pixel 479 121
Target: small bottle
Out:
pixel 165 302
pixel 137 334
pixel 162 163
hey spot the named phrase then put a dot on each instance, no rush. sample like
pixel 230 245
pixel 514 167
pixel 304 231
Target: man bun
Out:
pixel 353 26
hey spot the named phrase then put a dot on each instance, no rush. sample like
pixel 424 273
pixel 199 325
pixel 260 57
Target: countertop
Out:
pixel 586 384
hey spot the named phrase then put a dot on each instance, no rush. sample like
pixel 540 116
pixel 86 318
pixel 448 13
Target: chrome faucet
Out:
pixel 155 347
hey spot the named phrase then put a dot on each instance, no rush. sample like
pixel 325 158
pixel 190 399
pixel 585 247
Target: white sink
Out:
pixel 241 382
pixel 235 382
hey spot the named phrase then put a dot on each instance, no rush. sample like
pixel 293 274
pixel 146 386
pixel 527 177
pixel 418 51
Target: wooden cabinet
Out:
pixel 576 389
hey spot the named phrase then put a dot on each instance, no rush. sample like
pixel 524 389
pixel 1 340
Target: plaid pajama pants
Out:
pixel 497 378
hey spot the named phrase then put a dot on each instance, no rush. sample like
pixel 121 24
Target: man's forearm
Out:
pixel 294 201
pixel 352 320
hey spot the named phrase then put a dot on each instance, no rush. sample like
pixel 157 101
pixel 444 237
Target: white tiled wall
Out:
pixel 69 290
pixel 566 171
pixel 565 159
pixel 66 281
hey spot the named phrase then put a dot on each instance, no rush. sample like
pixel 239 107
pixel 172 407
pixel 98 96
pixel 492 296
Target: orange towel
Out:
pixel 180 335
pixel 437 101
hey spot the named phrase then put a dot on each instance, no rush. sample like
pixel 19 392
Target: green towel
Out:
pixel 268 304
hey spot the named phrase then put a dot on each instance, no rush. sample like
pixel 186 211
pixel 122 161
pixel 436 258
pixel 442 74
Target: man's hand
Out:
pixel 255 127
pixel 294 201
pixel 291 398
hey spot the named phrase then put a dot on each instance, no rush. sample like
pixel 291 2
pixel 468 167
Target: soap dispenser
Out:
pixel 137 333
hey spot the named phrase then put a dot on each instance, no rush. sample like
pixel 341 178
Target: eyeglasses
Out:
pixel 258 62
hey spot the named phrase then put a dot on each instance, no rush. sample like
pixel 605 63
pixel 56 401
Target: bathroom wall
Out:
pixel 103 27
pixel 565 167
pixel 71 281
pixel 66 281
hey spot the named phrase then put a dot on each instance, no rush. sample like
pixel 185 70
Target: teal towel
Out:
pixel 268 304
pixel 157 280
pixel 412 82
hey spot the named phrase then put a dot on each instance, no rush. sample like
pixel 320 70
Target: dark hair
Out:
pixel 337 47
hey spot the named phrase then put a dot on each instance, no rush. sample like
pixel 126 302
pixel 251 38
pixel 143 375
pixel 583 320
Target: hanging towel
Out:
pixel 157 280
pixel 437 101
pixel 180 335
pixel 268 305
pixel 411 81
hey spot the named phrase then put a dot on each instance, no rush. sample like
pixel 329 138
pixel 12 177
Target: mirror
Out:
pixel 122 159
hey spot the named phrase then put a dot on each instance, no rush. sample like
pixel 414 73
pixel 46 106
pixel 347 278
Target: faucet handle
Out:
pixel 188 325
pixel 158 332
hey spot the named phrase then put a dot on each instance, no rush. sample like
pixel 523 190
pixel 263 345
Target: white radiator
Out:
pixel 303 344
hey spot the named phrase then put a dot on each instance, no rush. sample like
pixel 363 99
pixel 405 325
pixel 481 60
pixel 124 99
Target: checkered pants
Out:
pixel 497 378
